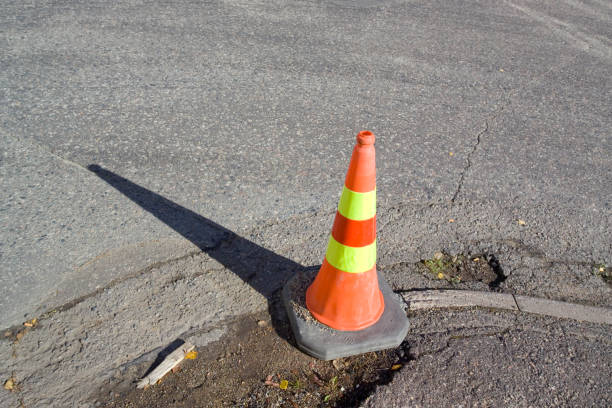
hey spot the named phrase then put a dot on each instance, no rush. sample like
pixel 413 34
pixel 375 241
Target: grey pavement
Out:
pixel 482 359
pixel 238 117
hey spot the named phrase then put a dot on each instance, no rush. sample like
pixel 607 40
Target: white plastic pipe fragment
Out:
pixel 171 361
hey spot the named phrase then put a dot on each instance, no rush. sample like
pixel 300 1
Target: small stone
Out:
pixel 337 364
pixel 438 255
pixel 262 323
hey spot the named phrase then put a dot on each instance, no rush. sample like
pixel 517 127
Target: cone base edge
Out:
pixel 325 343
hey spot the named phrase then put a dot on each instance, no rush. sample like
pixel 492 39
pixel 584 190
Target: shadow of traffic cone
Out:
pixel 345 293
pixel 358 309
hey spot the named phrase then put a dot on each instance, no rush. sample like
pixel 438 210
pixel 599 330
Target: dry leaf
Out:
pixel 284 384
pixel 20 335
pixel 521 222
pixel 270 382
pixel 317 379
pixel 191 355
pixel 31 322
pixel 395 367
pixel 10 384
pixel 476 259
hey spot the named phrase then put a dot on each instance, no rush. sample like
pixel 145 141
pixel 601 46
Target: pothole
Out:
pixel 254 366
pixel 464 268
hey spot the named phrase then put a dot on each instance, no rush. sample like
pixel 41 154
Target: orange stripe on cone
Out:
pixel 354 233
pixel 343 300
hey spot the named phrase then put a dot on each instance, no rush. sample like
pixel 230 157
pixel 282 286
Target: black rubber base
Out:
pixel 326 343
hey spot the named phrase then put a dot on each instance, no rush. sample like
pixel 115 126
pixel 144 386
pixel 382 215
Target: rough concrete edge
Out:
pixel 448 298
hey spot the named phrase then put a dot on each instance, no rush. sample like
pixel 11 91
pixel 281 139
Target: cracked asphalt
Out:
pixel 165 167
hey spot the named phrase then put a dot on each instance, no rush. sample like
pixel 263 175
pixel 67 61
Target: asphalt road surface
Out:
pixel 137 136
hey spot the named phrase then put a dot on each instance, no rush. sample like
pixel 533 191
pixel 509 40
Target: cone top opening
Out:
pixel 365 137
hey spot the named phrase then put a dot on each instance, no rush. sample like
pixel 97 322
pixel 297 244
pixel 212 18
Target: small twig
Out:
pixel 171 361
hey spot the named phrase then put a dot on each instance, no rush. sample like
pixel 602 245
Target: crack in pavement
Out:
pixel 46 149
pixel 516 303
pixel 469 161
pixel 454 337
pixel 506 102
pixel 71 304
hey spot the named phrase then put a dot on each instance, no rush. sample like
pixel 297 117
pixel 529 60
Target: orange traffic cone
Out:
pixel 345 294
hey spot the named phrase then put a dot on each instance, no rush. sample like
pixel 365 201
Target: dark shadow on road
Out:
pixel 264 270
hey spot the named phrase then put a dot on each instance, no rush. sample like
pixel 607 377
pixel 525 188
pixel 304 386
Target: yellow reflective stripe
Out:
pixel 357 206
pixel 351 259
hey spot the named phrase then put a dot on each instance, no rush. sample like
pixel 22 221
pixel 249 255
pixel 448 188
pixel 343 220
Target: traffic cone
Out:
pixel 345 294
pixel 355 310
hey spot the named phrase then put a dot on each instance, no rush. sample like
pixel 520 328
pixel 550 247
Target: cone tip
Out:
pixel 365 137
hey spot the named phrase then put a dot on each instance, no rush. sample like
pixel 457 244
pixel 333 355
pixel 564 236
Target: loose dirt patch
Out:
pixel 254 366
pixel 463 268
